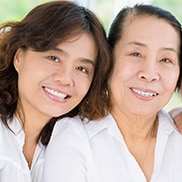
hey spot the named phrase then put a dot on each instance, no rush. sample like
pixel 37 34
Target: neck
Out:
pixel 136 127
pixel 31 123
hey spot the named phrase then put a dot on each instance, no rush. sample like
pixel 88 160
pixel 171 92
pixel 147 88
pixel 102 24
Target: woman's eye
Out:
pixel 53 58
pixel 136 54
pixel 82 69
pixel 166 60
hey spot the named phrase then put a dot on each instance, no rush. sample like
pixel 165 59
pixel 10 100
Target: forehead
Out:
pixel 149 28
pixel 143 22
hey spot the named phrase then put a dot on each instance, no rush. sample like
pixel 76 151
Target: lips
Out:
pixel 56 93
pixel 144 93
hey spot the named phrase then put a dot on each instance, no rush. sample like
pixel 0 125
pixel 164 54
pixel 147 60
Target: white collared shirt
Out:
pixel 107 157
pixel 13 165
pixel 115 163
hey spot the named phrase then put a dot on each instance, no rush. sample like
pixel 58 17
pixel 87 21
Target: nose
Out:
pixel 64 76
pixel 149 72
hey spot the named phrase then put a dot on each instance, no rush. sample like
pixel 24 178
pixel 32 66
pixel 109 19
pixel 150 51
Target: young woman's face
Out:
pixel 52 83
pixel 146 66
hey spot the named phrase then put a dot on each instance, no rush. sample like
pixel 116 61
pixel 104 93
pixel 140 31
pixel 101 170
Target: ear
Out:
pixel 18 58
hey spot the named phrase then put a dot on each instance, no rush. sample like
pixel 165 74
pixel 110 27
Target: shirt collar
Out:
pixel 94 127
pixel 166 123
pixel 15 126
pixel 17 129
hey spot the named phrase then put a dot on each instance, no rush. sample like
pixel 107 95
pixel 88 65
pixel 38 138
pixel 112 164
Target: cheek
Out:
pixel 83 86
pixel 121 74
pixel 31 78
pixel 170 80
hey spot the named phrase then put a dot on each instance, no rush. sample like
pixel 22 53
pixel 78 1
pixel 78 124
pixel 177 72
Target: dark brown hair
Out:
pixel 44 28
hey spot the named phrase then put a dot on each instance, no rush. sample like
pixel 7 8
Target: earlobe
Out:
pixel 17 59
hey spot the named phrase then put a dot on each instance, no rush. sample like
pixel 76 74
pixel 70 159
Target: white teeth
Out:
pixel 145 94
pixel 55 93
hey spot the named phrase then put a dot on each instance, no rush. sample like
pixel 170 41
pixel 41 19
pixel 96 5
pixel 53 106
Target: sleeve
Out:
pixel 69 170
pixel 176 115
pixel 176 111
pixel 65 156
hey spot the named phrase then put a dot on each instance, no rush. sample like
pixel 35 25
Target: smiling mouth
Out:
pixel 144 94
pixel 55 93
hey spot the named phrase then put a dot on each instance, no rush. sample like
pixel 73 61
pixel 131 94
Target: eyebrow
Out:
pixel 136 43
pixel 144 45
pixel 85 60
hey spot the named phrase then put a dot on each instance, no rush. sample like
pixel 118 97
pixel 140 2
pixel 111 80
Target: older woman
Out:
pixel 136 141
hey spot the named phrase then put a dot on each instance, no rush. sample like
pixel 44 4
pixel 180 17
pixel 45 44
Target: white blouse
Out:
pixel 97 149
pixel 13 165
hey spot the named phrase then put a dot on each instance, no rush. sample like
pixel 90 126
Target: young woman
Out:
pixel 136 141
pixel 47 64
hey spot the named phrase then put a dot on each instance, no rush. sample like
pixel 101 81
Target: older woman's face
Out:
pixel 146 66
